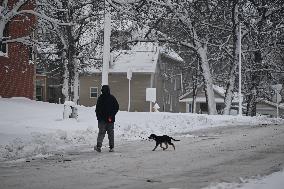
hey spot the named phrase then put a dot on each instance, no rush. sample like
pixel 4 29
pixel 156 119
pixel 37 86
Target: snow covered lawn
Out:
pixel 36 129
pixel 29 128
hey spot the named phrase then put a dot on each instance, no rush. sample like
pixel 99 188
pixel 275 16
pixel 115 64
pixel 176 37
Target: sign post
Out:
pixel 277 88
pixel 278 99
pixel 129 76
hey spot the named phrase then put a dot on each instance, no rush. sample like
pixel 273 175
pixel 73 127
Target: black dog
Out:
pixel 162 139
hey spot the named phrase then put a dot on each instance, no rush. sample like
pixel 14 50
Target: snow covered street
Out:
pixel 214 155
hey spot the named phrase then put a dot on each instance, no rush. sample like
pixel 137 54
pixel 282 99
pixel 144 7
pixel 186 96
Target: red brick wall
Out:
pixel 16 73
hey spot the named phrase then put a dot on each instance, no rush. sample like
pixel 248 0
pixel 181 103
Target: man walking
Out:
pixel 106 109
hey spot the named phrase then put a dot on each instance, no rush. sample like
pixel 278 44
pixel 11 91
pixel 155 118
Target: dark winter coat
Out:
pixel 107 106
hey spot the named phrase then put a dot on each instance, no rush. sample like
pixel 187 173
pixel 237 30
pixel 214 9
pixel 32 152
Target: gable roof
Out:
pixel 273 104
pixel 144 61
pixel 142 58
pixel 217 90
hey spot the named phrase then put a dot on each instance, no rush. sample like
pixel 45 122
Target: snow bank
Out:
pixel 29 128
pixel 274 181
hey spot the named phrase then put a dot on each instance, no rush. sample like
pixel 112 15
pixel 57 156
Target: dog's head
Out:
pixel 152 136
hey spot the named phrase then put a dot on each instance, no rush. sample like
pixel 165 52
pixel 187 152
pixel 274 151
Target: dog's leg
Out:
pixel 156 146
pixel 173 145
pixel 166 146
pixel 162 146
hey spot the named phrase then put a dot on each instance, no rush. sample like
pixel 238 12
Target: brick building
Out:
pixel 17 71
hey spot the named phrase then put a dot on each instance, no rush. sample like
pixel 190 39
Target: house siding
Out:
pixel 118 83
pixel 119 88
pixel 266 109
pixel 182 107
pixel 201 105
pixel 16 73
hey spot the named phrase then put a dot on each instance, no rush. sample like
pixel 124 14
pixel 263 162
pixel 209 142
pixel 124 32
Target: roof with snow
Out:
pixel 219 95
pixel 273 104
pixel 142 58
pixel 220 91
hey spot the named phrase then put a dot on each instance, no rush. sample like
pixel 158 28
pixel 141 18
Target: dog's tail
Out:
pixel 174 139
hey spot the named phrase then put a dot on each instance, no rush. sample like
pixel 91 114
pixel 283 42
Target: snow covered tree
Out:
pixel 8 11
pixel 263 20
pixel 11 9
pixel 208 30
pixel 231 50
pixel 185 26
pixel 75 43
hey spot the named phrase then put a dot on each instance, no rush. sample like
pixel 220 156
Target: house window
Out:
pixel 93 92
pixel 177 84
pixel 190 108
pixel 39 93
pixel 4 46
pixel 31 58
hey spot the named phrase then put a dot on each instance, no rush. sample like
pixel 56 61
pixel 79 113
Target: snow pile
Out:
pixel 133 125
pixel 29 128
pixel 274 181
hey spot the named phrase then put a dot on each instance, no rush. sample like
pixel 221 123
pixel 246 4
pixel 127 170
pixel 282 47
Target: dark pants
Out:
pixel 103 128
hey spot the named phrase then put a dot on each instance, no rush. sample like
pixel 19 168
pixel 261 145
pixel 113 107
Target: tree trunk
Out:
pixel 76 81
pixel 232 79
pixel 207 80
pixel 255 79
pixel 2 27
pixel 251 105
pixel 194 92
pixel 65 78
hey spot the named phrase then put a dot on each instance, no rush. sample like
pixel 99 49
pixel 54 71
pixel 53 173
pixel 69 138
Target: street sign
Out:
pixel 277 87
pixel 129 74
pixel 277 97
pixel 151 94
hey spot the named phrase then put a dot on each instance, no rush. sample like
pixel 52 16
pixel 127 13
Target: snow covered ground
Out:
pixel 36 129
pixel 273 181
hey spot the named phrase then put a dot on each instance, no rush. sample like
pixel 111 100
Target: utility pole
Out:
pixel 106 52
pixel 240 71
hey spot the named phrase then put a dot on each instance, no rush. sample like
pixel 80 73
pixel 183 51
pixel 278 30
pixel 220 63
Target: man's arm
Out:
pixel 98 107
pixel 116 106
